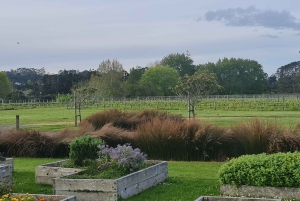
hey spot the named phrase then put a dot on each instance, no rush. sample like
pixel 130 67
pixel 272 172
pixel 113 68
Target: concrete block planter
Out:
pixel 255 191
pixel 5 174
pixel 51 197
pixel 9 162
pixel 215 198
pixel 44 174
pixel 112 189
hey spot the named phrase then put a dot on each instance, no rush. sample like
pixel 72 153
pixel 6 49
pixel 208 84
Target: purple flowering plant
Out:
pixel 123 156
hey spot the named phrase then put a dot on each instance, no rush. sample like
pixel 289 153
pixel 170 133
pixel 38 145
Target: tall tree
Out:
pixel 109 79
pixel 5 86
pixel 159 80
pixel 288 78
pixel 193 88
pixel 182 63
pixel 238 76
pixel 132 82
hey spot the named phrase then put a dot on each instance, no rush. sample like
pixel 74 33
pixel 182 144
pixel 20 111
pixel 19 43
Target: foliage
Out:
pixel 84 148
pixel 132 81
pixel 4 189
pixel 6 87
pixel 276 170
pixel 253 137
pixel 109 79
pixel 19 197
pixel 194 87
pixel 64 98
pixel 26 143
pixel 16 96
pixel 158 81
pixel 167 139
pixel 288 78
pixel 127 159
pixel 182 63
pixel 238 76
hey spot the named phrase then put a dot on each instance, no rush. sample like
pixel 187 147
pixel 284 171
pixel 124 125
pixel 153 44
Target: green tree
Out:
pixel 194 87
pixel 238 76
pixel 288 77
pixel 5 86
pixel 82 92
pixel 131 86
pixel 182 63
pixel 158 80
pixel 109 79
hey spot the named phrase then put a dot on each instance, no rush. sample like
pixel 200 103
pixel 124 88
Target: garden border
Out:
pixel 256 191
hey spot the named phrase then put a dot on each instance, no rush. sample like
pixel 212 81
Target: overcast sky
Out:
pixel 79 34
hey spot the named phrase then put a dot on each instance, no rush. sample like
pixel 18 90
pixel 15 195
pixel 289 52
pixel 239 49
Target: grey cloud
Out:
pixel 269 36
pixel 254 17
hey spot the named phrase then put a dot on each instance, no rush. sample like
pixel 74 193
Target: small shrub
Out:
pixel 83 148
pixel 276 170
pixel 125 157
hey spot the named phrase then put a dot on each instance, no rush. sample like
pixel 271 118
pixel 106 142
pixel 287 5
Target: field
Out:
pixel 57 118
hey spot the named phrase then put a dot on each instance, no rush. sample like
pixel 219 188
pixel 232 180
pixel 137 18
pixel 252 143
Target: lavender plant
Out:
pixel 124 157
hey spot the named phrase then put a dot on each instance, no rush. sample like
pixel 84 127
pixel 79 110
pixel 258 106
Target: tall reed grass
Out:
pixel 159 135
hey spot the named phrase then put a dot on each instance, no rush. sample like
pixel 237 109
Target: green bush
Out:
pixel 84 148
pixel 276 170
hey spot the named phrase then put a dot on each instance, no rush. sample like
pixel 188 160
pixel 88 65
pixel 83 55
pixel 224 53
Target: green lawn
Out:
pixel 58 118
pixel 187 180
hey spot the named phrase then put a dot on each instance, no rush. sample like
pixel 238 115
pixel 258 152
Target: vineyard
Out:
pixel 265 102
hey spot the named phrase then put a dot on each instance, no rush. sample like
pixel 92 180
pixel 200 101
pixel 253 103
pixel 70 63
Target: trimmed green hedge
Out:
pixel 276 170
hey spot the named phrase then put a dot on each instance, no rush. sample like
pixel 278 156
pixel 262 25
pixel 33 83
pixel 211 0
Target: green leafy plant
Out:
pixel 276 170
pixel 2 157
pixel 84 148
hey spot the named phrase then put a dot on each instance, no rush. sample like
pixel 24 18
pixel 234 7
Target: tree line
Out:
pixel 164 78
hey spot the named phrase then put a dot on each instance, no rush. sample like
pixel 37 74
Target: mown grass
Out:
pixel 24 176
pixel 58 118
pixel 187 180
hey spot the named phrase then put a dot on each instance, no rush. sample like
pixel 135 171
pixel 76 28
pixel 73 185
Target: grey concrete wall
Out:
pixel 44 174
pixel 5 174
pixel 255 191
pixel 216 198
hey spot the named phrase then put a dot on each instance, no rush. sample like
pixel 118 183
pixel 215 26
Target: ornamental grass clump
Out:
pixel 275 170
